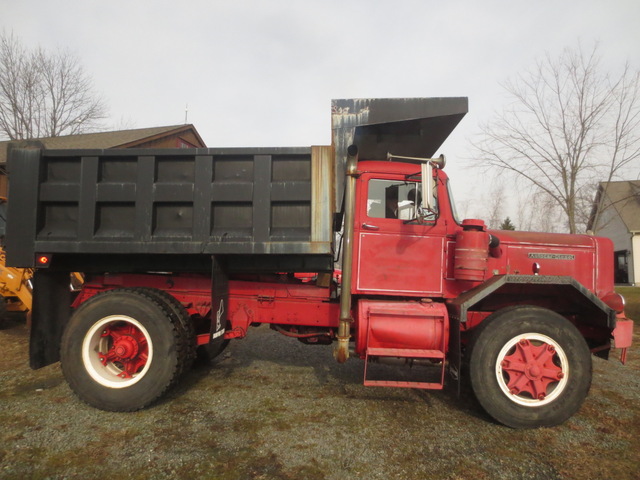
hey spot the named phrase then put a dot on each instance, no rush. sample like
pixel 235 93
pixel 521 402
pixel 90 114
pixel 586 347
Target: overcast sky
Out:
pixel 263 73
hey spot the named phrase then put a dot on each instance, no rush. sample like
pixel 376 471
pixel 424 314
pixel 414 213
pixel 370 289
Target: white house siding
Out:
pixel 618 204
pixel 614 228
pixel 634 261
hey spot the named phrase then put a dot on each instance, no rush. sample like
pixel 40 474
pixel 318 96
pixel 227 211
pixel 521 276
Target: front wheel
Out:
pixel 121 350
pixel 529 367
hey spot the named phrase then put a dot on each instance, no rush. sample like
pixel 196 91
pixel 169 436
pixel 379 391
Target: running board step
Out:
pixel 404 353
pixel 398 384
pixel 435 355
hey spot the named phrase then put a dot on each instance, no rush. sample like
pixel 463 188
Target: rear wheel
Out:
pixel 179 317
pixel 529 367
pixel 122 350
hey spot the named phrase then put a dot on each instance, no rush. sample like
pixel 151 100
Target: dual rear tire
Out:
pixel 124 348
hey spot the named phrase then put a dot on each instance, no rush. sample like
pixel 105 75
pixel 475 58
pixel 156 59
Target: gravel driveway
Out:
pixel 273 408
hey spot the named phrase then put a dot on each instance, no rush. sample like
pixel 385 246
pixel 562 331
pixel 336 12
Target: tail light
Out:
pixel 43 260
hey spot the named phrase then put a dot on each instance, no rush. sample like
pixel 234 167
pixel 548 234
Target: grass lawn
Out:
pixel 632 297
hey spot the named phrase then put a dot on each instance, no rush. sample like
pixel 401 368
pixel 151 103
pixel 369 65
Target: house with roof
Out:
pixel 176 136
pixel 616 215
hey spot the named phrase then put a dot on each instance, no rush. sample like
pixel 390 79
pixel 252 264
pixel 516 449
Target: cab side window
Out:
pixel 395 199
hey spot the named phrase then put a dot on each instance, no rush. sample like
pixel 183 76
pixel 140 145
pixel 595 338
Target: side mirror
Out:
pixel 427 181
pixel 427 185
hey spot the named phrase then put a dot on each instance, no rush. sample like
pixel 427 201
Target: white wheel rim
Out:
pixel 554 388
pixel 94 344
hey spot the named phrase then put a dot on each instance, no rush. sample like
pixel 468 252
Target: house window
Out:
pixel 621 266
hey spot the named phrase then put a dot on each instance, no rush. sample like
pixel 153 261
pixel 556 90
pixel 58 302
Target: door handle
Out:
pixel 366 226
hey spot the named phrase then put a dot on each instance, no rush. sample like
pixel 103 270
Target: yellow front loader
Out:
pixel 15 288
pixel 15 283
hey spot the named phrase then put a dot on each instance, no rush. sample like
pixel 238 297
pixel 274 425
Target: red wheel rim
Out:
pixel 532 369
pixel 128 348
pixel 117 351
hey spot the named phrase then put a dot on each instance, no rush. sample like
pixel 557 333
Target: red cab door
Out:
pixel 395 255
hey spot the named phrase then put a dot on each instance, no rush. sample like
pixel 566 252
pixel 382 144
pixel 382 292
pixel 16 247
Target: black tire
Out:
pixel 147 337
pixel 523 393
pixel 182 319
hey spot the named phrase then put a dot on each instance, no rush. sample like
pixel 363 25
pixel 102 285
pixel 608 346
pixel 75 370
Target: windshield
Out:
pixel 454 211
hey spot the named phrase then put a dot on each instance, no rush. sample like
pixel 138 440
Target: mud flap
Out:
pixel 51 311
pixel 219 303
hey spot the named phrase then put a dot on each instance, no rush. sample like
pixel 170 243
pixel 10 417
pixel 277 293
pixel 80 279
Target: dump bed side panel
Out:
pixel 186 201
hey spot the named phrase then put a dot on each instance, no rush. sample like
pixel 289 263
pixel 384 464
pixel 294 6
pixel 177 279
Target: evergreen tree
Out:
pixel 507 225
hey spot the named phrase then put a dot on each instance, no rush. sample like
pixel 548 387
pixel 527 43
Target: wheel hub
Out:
pixel 127 349
pixel 532 370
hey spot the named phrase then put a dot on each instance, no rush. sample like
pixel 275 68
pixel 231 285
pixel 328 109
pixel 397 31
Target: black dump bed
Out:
pixel 169 202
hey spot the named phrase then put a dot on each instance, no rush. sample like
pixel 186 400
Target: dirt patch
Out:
pixel 272 408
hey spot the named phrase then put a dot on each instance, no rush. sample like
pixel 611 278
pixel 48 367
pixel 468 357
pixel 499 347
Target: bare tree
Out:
pixel 567 127
pixel 44 94
pixel 537 211
pixel 496 205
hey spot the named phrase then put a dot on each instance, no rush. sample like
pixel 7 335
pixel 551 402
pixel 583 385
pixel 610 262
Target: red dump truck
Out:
pixel 185 250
